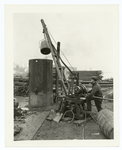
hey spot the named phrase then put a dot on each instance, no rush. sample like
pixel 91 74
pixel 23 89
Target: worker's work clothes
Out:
pixel 96 91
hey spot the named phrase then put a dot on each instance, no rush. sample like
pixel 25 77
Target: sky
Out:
pixel 86 38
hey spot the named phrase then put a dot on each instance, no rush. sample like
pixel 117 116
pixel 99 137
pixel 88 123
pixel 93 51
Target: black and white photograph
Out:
pixel 65 69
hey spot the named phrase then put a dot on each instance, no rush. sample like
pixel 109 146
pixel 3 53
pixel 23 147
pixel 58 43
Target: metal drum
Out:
pixel 44 49
pixel 40 82
pixel 105 121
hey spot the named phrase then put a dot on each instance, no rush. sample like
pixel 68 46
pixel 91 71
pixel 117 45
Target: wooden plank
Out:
pixel 103 98
pixel 58 117
pixel 32 124
pixel 51 116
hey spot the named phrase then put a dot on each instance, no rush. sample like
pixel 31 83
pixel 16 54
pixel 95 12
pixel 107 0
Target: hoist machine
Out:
pixel 72 97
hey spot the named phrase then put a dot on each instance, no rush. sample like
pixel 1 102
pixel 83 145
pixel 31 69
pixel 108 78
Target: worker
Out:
pixel 96 91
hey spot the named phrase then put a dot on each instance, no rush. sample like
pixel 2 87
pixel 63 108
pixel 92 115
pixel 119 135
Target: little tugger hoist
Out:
pixel 73 101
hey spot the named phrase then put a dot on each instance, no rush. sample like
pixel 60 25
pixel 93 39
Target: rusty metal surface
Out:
pixel 40 82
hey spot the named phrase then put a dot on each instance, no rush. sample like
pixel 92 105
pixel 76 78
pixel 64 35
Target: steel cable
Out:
pixel 61 51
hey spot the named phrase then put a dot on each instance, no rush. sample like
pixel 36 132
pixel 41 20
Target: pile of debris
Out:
pixel 18 112
pixel 19 116
pixel 17 129
pixel 21 86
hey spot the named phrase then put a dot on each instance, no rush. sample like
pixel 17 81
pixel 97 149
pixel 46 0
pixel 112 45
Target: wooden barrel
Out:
pixel 105 121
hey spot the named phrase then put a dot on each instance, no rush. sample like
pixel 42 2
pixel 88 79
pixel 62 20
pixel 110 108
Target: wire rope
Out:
pixel 62 52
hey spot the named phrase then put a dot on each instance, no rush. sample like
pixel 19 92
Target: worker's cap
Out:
pixel 94 78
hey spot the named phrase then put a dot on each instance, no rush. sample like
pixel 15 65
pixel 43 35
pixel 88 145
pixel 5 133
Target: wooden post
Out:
pixel 57 78
pixel 77 82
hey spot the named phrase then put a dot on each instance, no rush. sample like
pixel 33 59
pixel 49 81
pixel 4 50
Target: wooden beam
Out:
pixel 32 124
